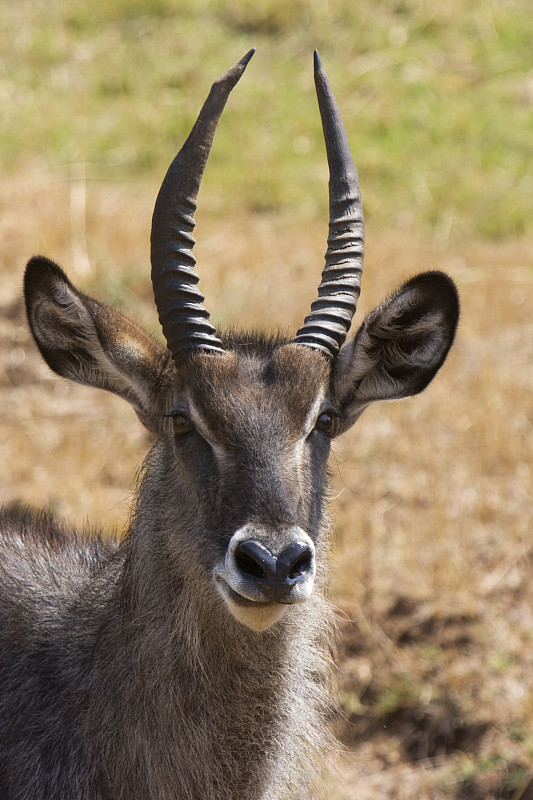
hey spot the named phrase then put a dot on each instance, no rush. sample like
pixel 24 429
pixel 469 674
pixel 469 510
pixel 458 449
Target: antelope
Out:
pixel 190 660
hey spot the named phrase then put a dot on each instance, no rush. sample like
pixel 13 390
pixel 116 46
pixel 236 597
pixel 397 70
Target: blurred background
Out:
pixel 432 558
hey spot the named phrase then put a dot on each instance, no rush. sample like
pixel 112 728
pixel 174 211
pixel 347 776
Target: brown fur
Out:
pixel 124 672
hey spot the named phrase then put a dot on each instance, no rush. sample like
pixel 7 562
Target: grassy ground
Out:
pixel 433 552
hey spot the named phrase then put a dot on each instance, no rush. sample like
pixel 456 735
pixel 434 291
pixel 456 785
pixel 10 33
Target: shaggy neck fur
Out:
pixel 209 709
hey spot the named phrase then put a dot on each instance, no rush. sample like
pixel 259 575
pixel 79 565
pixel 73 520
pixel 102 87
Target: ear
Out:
pixel 400 346
pixel 90 343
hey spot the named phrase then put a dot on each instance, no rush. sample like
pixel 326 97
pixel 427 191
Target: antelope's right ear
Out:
pixel 400 346
pixel 90 343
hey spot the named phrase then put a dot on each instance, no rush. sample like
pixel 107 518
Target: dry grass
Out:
pixel 433 551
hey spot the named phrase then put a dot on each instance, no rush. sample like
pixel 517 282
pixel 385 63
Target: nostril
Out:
pixel 295 561
pixel 248 565
pixel 253 558
pixel 300 567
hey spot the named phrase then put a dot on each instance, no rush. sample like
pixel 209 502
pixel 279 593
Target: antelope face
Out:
pixel 258 446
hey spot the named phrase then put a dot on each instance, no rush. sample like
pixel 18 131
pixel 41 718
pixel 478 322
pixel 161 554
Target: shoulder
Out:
pixel 38 549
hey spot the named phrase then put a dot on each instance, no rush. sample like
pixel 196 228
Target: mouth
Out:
pixel 239 599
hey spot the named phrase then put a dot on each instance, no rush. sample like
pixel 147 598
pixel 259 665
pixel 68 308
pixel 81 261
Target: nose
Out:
pixel 268 570
pixel 256 560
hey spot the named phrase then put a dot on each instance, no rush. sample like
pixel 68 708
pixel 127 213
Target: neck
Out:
pixel 214 705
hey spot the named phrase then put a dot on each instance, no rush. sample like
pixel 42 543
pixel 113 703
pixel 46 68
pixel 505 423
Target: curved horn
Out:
pixel 184 319
pixel 326 326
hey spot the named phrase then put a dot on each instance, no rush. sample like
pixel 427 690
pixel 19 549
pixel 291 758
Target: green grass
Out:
pixel 437 101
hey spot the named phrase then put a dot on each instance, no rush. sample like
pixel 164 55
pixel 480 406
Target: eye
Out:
pixel 181 424
pixel 326 423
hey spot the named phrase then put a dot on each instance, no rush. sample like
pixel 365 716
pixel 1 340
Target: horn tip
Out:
pixel 318 63
pixel 245 59
pixel 231 77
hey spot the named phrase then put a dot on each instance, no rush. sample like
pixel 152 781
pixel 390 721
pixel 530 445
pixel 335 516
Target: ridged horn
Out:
pixel 326 326
pixel 180 305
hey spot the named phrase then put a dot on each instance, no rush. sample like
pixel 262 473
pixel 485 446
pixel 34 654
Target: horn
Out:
pixel 182 315
pixel 326 326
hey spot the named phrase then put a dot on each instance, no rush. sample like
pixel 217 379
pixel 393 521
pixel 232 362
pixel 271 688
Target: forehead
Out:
pixel 285 383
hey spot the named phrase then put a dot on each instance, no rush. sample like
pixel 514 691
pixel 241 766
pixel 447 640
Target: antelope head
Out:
pixel 238 479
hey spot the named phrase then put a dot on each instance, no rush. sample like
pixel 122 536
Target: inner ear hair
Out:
pixel 400 346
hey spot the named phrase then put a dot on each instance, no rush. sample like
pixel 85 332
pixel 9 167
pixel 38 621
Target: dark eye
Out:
pixel 181 424
pixel 326 423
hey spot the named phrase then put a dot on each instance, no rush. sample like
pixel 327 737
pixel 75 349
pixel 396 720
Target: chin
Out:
pixel 256 615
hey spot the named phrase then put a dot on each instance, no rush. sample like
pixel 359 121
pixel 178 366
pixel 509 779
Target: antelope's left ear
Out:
pixel 399 348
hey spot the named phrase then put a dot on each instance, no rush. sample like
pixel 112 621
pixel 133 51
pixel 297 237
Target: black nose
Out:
pixel 277 575
pixel 293 562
